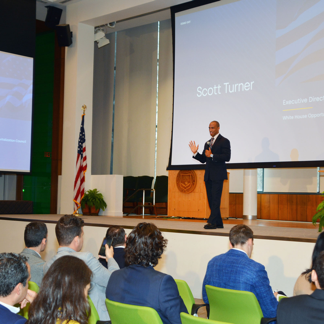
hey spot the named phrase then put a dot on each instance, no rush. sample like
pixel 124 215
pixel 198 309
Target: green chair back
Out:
pixel 94 317
pixel 281 297
pixel 185 293
pixel 34 287
pixel 190 319
pixel 233 306
pixel 125 314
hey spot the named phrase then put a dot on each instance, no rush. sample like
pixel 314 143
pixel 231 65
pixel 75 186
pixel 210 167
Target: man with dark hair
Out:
pixel 139 284
pixel 35 241
pixel 118 236
pixel 235 270
pixel 69 233
pixel 14 277
pixel 305 308
pixel 216 152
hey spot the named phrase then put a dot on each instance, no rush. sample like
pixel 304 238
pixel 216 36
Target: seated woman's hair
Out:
pixel 62 294
pixel 145 245
pixel 318 248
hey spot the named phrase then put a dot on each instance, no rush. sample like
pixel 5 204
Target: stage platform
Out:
pixel 283 247
pixel 262 229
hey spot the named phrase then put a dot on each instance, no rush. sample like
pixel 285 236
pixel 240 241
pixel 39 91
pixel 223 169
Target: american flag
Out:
pixel 81 168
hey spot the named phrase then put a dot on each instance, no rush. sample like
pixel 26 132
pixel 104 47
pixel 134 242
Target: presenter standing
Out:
pixel 216 152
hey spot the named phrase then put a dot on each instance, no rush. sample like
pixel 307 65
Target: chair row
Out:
pixel 225 306
pixel 142 190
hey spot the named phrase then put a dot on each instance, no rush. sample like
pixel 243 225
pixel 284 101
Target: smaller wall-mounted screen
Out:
pixel 16 102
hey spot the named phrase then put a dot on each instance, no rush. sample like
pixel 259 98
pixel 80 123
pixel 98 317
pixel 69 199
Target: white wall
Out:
pixel 187 255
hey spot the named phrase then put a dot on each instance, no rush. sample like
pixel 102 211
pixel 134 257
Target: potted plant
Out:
pixel 92 201
pixel 319 215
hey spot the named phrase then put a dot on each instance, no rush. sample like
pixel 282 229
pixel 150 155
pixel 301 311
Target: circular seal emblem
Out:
pixel 186 181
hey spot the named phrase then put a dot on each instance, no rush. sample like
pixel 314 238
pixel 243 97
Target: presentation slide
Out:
pixel 257 67
pixel 16 96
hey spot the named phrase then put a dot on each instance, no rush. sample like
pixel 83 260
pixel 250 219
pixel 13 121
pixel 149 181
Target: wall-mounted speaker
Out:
pixel 53 16
pixel 64 35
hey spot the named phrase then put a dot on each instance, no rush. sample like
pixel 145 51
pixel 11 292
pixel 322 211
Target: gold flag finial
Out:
pixel 84 107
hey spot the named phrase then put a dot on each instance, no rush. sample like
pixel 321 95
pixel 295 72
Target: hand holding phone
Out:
pixel 108 241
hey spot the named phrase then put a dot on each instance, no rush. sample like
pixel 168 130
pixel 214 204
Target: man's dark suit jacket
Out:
pixel 143 286
pixel 302 309
pixel 216 167
pixel 119 256
pixel 7 317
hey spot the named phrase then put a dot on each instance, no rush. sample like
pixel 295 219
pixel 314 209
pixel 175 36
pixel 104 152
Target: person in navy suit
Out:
pixel 14 277
pixel 118 235
pixel 305 308
pixel 235 270
pixel 139 284
pixel 216 152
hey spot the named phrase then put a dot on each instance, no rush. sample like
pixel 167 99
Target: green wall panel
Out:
pixel 37 185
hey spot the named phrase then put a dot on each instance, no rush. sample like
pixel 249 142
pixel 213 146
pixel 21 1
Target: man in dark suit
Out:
pixel 216 152
pixel 118 236
pixel 235 270
pixel 305 308
pixel 14 277
pixel 139 284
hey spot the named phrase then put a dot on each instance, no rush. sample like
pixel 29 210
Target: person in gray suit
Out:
pixel 69 234
pixel 35 241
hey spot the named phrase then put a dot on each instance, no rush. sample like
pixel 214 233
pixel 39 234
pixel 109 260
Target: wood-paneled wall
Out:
pixel 291 207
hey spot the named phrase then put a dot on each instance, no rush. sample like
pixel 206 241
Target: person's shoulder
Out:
pixel 6 316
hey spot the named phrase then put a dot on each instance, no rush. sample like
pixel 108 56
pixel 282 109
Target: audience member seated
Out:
pixel 304 284
pixel 63 295
pixel 305 309
pixel 235 270
pixel 69 233
pixel 139 284
pixel 35 241
pixel 14 277
pixel 117 233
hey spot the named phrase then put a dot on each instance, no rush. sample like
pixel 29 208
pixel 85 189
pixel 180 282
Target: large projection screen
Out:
pixel 16 101
pixel 257 67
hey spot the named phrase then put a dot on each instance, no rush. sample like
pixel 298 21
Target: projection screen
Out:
pixel 257 67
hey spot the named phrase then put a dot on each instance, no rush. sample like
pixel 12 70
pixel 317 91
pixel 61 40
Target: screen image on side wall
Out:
pixel 257 67
pixel 16 101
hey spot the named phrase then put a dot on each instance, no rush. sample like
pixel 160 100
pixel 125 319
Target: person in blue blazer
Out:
pixel 216 152
pixel 139 284
pixel 235 270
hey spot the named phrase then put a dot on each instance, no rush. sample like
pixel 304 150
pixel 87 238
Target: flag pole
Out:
pixel 81 167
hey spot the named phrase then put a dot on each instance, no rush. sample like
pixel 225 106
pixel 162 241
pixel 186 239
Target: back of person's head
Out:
pixel 318 248
pixel 240 234
pixel 62 293
pixel 67 228
pixel 34 234
pixel 145 245
pixel 117 233
pixel 319 269
pixel 13 270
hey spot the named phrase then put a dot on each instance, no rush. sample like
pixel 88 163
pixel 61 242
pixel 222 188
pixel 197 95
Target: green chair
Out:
pixel 188 299
pixel 125 314
pixel 190 319
pixel 234 306
pixel 34 287
pixel 281 297
pixel 94 317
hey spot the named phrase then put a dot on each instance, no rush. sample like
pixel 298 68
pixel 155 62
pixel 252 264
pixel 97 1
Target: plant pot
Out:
pixel 90 211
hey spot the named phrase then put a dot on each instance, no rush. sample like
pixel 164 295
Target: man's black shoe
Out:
pixel 211 226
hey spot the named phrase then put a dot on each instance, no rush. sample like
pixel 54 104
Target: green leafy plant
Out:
pixel 93 198
pixel 319 214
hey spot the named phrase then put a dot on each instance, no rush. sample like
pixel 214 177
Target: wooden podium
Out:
pixel 187 197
